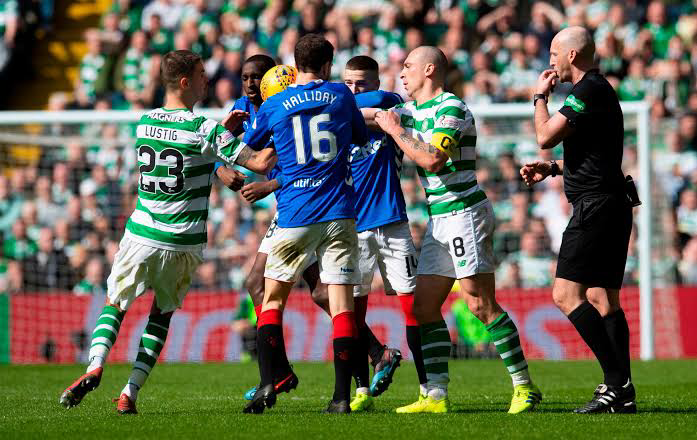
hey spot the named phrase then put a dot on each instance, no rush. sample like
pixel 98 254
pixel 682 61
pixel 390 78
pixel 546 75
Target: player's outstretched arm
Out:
pixel 260 162
pixel 369 116
pixel 255 191
pixel 425 155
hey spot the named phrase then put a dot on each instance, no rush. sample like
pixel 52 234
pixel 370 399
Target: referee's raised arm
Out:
pixel 593 252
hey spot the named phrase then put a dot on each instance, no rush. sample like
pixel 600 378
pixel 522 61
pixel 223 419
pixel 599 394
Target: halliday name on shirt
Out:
pixel 307 96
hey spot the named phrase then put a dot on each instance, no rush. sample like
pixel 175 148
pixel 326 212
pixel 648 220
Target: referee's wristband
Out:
pixel 539 96
pixel 553 168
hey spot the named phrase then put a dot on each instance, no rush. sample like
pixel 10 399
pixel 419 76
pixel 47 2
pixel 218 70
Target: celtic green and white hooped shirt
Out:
pixel 177 151
pixel 446 121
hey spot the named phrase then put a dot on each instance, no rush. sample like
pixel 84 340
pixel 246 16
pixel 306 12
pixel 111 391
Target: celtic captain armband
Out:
pixel 444 143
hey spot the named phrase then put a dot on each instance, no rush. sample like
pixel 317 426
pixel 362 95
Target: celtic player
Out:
pixel 164 238
pixel 437 131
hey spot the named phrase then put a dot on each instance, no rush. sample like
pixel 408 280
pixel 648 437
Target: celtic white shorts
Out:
pixel 334 243
pixel 459 245
pixel 390 249
pixel 138 267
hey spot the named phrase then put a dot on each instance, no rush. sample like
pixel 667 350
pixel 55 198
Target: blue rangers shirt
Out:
pixel 375 167
pixel 246 105
pixel 313 126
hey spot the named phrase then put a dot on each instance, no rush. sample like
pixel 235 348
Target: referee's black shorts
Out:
pixel 594 245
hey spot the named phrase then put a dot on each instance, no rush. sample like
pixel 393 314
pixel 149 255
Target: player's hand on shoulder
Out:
pixel 234 119
pixel 233 179
pixel 534 172
pixel 388 121
pixel 256 191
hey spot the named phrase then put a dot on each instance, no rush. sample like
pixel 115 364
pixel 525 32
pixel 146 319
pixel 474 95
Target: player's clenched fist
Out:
pixel 234 119
pixel 233 179
pixel 535 172
pixel 388 121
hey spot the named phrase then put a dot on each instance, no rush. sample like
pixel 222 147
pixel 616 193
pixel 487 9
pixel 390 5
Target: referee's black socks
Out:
pixel 591 326
pixel 618 331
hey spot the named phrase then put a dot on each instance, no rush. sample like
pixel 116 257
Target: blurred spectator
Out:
pixel 94 282
pixel 169 11
pixel 92 79
pixel 535 267
pixel 10 206
pixel 17 245
pixel 687 215
pixel 9 25
pixel 48 268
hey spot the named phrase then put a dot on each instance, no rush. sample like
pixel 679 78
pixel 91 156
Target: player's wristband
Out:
pixel 217 165
pixel 279 178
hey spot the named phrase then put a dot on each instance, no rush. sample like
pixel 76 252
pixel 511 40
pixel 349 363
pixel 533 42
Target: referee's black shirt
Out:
pixel 593 152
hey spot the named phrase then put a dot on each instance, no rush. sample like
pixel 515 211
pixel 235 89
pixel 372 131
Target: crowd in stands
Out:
pixel 19 22
pixel 62 218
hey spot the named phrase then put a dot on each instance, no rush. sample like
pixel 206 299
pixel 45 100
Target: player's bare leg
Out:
pixel 103 337
pixel 254 284
pixel 478 291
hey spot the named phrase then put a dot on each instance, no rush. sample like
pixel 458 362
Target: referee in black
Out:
pixel 593 252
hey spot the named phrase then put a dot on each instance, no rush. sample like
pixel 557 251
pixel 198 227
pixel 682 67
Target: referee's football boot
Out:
pixel 340 407
pixel 124 405
pixel 384 370
pixel 284 385
pixel 525 398
pixel 265 397
pixel 611 399
pixel 74 394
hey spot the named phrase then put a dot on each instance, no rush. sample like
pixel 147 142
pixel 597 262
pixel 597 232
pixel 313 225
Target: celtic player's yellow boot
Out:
pixel 426 404
pixel 525 398
pixel 362 402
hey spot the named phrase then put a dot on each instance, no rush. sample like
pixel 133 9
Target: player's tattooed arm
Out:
pixel 416 144
pixel 425 155
pixel 260 162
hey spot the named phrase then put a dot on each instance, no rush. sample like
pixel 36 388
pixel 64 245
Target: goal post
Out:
pixel 30 128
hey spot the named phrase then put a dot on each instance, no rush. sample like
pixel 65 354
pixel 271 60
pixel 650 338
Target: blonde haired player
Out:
pixel 164 238
pixel 437 131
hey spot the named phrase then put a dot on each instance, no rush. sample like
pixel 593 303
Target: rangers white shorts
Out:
pixel 334 243
pixel 138 267
pixel 459 245
pixel 267 242
pixel 390 249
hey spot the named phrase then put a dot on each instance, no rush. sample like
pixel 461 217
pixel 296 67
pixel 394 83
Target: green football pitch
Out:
pixel 205 401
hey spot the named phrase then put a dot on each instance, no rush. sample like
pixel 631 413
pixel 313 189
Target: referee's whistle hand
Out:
pixel 546 82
